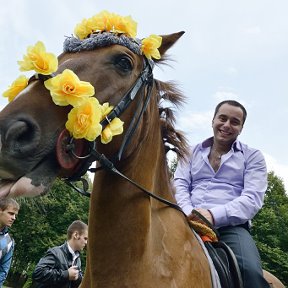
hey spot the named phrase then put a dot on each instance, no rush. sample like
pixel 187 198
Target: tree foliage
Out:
pixel 42 223
pixel 270 229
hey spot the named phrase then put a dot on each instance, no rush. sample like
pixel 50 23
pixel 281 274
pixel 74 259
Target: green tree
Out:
pixel 42 223
pixel 269 229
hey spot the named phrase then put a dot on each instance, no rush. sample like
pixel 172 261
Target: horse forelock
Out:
pixel 173 139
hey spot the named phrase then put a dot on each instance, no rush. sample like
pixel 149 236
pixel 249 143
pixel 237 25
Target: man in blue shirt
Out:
pixel 9 209
pixel 225 181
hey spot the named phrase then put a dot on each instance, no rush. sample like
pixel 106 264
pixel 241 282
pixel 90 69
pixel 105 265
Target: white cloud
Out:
pixel 195 120
pixel 225 94
pixel 232 71
pixel 254 30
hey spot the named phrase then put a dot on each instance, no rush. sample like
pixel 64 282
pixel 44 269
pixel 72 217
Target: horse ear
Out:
pixel 168 41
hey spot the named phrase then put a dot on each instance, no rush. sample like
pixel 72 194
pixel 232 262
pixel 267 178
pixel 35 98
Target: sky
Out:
pixel 230 50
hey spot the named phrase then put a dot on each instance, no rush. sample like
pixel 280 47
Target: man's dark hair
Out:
pixel 78 226
pixel 232 103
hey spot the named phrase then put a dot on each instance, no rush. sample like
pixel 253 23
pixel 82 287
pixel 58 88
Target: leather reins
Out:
pixel 145 79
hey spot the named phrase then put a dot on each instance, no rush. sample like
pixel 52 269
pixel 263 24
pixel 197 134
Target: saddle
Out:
pixel 221 254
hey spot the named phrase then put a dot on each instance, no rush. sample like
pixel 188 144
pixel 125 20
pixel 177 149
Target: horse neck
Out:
pixel 118 208
pixel 135 240
pixel 146 165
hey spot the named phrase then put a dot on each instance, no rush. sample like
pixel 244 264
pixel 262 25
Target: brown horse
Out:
pixel 134 240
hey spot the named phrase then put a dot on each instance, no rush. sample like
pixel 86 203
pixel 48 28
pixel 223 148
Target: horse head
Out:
pixel 33 151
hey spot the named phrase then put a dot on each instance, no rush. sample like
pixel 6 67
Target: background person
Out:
pixel 61 265
pixel 225 180
pixel 9 209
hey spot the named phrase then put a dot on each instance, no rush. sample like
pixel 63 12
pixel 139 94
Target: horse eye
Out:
pixel 124 63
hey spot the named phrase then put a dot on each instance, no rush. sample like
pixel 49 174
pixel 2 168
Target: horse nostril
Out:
pixel 22 136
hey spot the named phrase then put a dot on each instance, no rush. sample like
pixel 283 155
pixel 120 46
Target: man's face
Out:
pixel 227 124
pixel 81 240
pixel 8 216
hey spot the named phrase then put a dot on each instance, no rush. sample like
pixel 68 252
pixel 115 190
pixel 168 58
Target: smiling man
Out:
pixel 9 209
pixel 225 181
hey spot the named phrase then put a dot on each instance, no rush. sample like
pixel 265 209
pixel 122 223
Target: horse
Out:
pixel 134 241
pixel 137 236
pixel 272 280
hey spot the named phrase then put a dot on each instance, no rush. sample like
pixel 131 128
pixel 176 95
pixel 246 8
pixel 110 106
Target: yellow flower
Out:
pixel 150 46
pixel 16 87
pixel 39 60
pixel 106 109
pixel 115 127
pixel 82 29
pixel 106 21
pixel 84 121
pixel 122 25
pixel 67 89
pixel 102 21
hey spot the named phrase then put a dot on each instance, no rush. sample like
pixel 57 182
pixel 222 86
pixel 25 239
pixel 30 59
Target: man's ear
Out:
pixel 76 235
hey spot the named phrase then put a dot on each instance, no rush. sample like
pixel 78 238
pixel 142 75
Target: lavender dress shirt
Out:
pixel 233 194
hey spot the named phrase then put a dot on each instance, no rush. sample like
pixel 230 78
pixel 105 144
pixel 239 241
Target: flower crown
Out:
pixel 67 89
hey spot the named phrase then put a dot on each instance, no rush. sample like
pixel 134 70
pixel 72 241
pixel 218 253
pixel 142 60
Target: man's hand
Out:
pixel 204 212
pixel 73 273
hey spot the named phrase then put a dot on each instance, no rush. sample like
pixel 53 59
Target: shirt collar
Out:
pixel 74 253
pixel 236 146
pixel 4 230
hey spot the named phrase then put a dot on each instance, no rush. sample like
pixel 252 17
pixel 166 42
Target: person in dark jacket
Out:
pixel 61 265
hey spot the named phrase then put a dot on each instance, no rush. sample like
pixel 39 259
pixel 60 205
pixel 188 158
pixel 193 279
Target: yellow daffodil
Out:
pixel 106 109
pixel 84 120
pixel 16 87
pixel 115 127
pixel 150 46
pixel 67 89
pixel 82 29
pixel 102 21
pixel 39 60
pixel 122 25
pixel 106 21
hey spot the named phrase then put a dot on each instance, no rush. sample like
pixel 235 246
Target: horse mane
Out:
pixel 173 139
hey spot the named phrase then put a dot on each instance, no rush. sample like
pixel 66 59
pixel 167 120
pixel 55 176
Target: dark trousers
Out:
pixel 239 239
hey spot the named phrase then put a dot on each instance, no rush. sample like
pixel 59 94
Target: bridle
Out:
pixel 144 80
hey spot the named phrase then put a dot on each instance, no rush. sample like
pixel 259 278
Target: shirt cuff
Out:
pixel 219 216
pixel 187 209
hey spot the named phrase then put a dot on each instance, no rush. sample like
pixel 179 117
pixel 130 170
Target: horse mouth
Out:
pixel 32 183
pixel 5 188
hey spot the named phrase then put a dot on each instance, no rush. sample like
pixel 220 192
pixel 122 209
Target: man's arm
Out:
pixel 5 264
pixel 182 183
pixel 45 271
